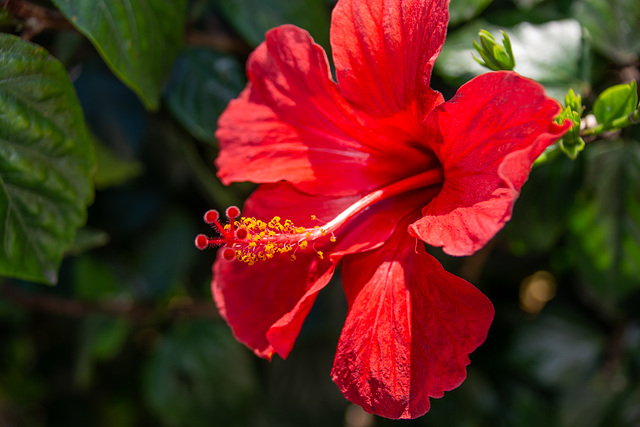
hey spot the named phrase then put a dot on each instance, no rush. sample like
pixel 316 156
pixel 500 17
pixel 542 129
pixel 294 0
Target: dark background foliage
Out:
pixel 129 336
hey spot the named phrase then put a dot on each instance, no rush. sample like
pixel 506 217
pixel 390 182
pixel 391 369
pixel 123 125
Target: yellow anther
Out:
pixel 333 238
pixel 264 240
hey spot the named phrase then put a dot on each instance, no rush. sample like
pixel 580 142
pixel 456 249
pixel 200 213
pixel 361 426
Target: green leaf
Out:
pixel 202 85
pixel 557 350
pixel 113 170
pixel 102 338
pixel 46 159
pixel 197 374
pixel 138 39
pixel 253 18
pixel 551 53
pixel 605 223
pixel 613 27
pixel 94 280
pixel 464 10
pixel 540 216
pixel 616 102
pixel 88 238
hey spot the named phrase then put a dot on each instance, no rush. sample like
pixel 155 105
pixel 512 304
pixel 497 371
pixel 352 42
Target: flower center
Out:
pixel 250 240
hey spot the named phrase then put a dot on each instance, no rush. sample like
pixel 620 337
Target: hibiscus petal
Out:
pixel 409 330
pixel 487 137
pixel 265 304
pixel 384 51
pixel 290 123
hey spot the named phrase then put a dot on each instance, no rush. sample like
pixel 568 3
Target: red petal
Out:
pixel 384 51
pixel 409 330
pixel 290 123
pixel 266 303
pixel 487 138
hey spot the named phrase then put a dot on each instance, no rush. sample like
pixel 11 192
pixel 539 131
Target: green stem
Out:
pixel 631 119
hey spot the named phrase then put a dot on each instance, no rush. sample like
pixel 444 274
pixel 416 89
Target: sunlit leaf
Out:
pixel 138 39
pixel 616 102
pixel 550 53
pixel 46 159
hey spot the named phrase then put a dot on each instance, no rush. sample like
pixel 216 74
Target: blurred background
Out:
pixel 129 335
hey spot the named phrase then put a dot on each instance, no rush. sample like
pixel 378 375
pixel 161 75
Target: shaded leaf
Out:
pixel 253 18
pixel 46 159
pixel 550 53
pixel 138 39
pixel 202 84
pixel 162 259
pixel 198 374
pixel 88 238
pixel 101 340
pixel 557 350
pixel 113 170
pixel 613 26
pixel 540 216
pixel 464 10
pixel 605 223
pixel 94 280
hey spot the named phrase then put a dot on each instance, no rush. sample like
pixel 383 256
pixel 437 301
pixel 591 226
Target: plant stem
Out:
pixel 75 308
pixel 631 119
pixel 35 18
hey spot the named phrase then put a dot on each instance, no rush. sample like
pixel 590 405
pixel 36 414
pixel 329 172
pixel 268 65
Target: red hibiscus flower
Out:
pixel 387 164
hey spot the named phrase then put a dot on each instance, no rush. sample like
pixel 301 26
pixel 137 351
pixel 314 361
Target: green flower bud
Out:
pixel 494 56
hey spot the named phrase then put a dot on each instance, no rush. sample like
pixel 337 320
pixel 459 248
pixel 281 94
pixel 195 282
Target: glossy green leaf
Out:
pixel 46 159
pixel 253 18
pixel 550 53
pixel 464 10
pixel 616 102
pixel 605 223
pixel 138 39
pixel 202 85
pixel 613 27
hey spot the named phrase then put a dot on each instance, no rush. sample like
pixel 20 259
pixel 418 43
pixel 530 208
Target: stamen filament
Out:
pixel 251 240
pixel 425 179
